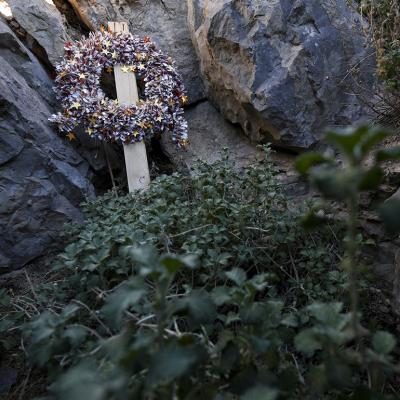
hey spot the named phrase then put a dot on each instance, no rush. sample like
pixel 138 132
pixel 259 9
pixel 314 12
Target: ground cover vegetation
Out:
pixel 383 18
pixel 207 286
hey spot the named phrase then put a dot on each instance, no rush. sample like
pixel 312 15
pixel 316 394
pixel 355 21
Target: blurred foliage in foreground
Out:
pixel 206 287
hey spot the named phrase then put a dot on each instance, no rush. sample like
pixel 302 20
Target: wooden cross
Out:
pixel 137 167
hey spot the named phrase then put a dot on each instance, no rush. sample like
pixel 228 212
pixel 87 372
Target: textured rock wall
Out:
pixel 280 68
pixel 42 179
pixel 209 134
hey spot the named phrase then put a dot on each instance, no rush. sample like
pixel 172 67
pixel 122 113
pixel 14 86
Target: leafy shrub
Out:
pixel 225 218
pixel 384 20
pixel 204 287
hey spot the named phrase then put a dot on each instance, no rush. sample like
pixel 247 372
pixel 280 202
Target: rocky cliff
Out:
pixel 255 72
pixel 280 69
pixel 42 178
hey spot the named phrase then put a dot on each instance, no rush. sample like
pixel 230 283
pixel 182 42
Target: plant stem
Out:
pixel 352 260
pixel 115 190
pixel 162 292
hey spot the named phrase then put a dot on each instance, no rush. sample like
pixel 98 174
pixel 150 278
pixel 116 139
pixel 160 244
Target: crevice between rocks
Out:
pixel 194 104
pixel 32 44
pixel 73 19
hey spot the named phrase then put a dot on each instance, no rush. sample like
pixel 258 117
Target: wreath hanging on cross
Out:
pixel 84 103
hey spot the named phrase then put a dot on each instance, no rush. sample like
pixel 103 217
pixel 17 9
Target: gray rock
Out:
pixel 395 195
pixel 281 68
pixel 209 134
pixel 44 23
pixel 164 21
pixel 42 178
pixel 22 60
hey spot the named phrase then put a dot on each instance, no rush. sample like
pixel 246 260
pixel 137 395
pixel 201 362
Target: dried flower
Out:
pixel 84 103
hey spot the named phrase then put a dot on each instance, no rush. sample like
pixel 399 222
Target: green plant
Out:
pixel 384 27
pixel 344 181
pixel 202 287
pixel 382 23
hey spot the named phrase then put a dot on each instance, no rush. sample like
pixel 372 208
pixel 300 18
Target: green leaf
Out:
pixel 75 335
pixel 290 320
pixel 69 311
pixel 328 314
pixel 43 327
pixel 230 318
pixel 190 260
pixel 288 379
pixel 260 392
pixel 346 139
pixel 230 356
pixel 306 342
pixel 338 373
pixel 260 345
pixel 332 183
pixel 144 255
pixel 81 382
pixel 172 263
pixel 201 308
pixel 173 362
pixel 318 378
pixel 355 143
pixel 383 342
pixel 237 275
pixel 41 353
pixel 118 302
pixel 309 160
pixel 246 378
pixel 4 297
pixel 267 312
pixel 221 295
pixel 390 215
pixel 374 136
pixel 371 179
pixel 388 155
pixel 312 221
pixel 258 282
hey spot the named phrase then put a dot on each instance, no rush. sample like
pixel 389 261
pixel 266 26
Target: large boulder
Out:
pixel 281 68
pixel 42 178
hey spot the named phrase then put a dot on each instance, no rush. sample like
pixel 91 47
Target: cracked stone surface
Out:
pixel 42 178
pixel 280 68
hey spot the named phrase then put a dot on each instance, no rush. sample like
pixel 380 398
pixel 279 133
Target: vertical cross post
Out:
pixel 137 168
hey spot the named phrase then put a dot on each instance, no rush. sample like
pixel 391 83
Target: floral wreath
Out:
pixel 84 102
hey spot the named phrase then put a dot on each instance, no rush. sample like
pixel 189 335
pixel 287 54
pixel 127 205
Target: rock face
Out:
pixel 279 68
pixel 210 133
pixel 42 178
